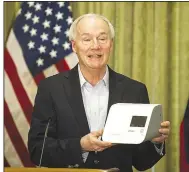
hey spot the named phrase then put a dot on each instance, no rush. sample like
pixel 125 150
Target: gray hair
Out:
pixel 72 31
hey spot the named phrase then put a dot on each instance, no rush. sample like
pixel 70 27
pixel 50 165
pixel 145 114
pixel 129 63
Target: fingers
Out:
pixel 97 145
pixel 160 139
pixel 96 135
pixel 100 148
pixel 165 128
pixel 164 131
pixel 165 124
pixel 91 142
pixel 100 143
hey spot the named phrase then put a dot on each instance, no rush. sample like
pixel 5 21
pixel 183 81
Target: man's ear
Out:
pixel 73 46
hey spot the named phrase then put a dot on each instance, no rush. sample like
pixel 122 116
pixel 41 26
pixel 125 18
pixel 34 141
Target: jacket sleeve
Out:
pixel 145 155
pixel 57 152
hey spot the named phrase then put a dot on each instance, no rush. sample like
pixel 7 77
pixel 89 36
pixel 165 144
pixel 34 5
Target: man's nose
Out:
pixel 95 44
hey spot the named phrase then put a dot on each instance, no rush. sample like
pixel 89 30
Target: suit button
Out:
pixel 76 165
pixel 96 161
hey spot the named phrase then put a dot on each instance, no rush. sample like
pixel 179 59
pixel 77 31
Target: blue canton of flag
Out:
pixel 41 29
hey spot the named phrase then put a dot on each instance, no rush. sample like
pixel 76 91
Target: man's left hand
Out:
pixel 164 131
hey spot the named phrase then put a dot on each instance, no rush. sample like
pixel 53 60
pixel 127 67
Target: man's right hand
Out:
pixel 90 142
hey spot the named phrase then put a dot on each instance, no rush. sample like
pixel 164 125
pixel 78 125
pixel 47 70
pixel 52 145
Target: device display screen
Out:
pixel 138 121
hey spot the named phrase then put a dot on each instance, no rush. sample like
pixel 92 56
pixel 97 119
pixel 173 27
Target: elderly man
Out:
pixel 77 103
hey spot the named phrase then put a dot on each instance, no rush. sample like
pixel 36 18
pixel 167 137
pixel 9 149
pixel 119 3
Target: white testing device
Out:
pixel 129 123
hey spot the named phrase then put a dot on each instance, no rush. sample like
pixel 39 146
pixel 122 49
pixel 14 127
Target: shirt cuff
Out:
pixel 159 147
pixel 84 155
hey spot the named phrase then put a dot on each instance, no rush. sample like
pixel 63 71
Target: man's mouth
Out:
pixel 95 56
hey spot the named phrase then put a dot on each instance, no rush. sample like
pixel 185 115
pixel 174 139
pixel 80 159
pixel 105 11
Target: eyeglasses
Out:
pixel 91 41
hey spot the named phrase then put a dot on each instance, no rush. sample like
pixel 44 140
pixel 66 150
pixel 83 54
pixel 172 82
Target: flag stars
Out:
pixel 69 8
pixel 38 6
pixel 40 62
pixel 25 28
pixel 28 15
pixel 44 37
pixel 55 41
pixel 35 19
pixel 31 45
pixel 59 16
pixel 66 46
pixel 19 11
pixel 48 11
pixel 42 49
pixel 67 33
pixel 46 24
pixel 69 20
pixel 31 4
pixel 53 53
pixel 57 28
pixel 33 32
pixel 61 4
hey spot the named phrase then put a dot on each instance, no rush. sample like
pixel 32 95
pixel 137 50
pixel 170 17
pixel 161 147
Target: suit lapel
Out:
pixel 73 91
pixel 116 88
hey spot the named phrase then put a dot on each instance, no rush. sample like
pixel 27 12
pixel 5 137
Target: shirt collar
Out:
pixel 83 80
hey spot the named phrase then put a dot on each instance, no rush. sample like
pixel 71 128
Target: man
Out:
pixel 77 103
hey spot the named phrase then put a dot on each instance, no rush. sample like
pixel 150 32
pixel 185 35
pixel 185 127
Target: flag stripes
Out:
pixel 22 79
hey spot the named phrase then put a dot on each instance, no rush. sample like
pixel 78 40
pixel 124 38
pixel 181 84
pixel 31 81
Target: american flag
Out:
pixel 184 141
pixel 37 47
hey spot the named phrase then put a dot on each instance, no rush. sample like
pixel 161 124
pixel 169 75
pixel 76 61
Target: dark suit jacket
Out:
pixel 59 98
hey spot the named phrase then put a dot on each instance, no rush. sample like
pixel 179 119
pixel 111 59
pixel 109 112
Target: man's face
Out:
pixel 93 43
